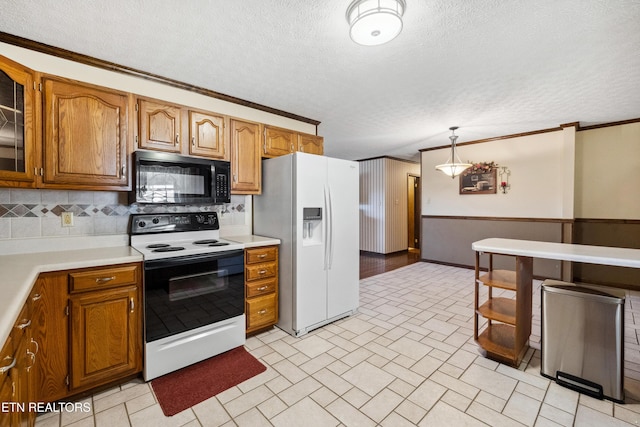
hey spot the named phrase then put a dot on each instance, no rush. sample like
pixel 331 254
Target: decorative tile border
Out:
pixel 26 210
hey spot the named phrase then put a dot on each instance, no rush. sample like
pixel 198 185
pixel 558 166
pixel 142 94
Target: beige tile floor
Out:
pixel 407 358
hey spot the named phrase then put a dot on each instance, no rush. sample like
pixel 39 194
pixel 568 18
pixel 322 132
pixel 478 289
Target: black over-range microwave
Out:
pixel 166 178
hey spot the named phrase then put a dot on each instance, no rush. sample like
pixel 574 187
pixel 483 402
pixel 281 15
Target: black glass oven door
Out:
pixel 185 293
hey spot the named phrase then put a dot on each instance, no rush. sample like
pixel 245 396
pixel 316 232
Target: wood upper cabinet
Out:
pixel 17 125
pixel 312 144
pixel 85 136
pixel 173 128
pixel 278 142
pixel 246 166
pixel 207 135
pixel 159 126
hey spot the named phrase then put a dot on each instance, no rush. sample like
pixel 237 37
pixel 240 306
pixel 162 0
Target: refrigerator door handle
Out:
pixel 330 216
pixel 326 228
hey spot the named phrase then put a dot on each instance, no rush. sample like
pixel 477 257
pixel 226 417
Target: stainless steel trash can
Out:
pixel 583 338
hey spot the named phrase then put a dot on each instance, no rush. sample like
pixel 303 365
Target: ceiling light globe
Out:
pixel 375 22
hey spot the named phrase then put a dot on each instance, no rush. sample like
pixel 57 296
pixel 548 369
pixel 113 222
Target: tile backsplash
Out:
pixel 37 213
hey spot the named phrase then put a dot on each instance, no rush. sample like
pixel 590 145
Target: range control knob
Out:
pixel 141 224
pixel 155 220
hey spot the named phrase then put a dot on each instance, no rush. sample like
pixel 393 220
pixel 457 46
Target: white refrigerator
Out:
pixel 311 203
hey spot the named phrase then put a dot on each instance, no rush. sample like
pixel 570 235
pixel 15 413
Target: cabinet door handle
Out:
pixel 193 141
pixel 5 368
pixel 263 311
pixel 177 138
pixel 36 297
pixel 262 288
pixel 37 346
pixel 101 280
pixel 24 325
pixel 124 172
pixel 132 304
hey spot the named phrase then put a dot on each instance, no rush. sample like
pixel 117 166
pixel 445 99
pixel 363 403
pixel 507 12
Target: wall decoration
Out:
pixel 480 178
pixel 504 179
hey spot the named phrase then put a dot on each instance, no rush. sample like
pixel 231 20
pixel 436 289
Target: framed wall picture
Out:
pixel 481 178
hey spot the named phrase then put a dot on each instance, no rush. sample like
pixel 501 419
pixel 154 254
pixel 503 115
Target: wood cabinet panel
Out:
pixel 278 142
pixel 105 333
pixel 261 254
pixel 17 116
pixel 261 287
pixel 160 126
pixel 311 144
pixel 85 136
pixel 102 278
pixel 207 135
pixel 262 311
pixel 246 166
pixel 51 332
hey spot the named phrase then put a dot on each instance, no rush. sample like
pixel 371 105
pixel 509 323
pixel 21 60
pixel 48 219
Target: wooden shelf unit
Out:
pixel 506 335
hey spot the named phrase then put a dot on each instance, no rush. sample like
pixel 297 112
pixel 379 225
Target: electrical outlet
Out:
pixel 67 219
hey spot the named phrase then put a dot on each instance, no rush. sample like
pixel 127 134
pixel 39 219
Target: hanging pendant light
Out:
pixel 454 166
pixel 375 22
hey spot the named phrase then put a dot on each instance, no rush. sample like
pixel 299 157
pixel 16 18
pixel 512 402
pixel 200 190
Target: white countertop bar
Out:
pixel 621 257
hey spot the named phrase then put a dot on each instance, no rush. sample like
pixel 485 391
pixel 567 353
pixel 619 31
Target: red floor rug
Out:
pixel 189 386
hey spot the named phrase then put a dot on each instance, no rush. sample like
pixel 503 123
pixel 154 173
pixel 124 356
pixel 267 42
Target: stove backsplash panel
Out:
pixel 37 213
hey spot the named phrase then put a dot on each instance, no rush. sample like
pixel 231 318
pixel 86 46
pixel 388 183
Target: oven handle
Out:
pixel 191 259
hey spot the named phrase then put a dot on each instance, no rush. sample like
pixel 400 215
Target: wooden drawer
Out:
pixel 260 271
pixel 103 278
pixel 261 287
pixel 263 254
pixel 262 311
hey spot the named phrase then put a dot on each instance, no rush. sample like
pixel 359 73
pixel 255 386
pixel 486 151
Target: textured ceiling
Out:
pixel 491 67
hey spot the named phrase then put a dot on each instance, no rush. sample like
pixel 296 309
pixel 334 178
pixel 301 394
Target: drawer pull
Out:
pixel 4 369
pixel 262 288
pixel 262 255
pixel 24 325
pixel 100 280
pixel 263 311
pixel 262 272
pixel 36 297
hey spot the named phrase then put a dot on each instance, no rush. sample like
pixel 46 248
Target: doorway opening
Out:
pixel 413 211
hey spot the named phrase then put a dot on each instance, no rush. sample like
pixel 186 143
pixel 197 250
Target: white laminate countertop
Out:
pixel 20 271
pixel 621 257
pixel 252 241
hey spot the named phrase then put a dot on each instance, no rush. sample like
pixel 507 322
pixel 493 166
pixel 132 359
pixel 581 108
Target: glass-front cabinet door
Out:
pixel 17 156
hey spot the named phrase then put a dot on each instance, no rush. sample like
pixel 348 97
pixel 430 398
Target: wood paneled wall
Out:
pixel 383 204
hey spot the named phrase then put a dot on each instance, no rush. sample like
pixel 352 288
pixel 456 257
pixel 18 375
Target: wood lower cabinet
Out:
pixel 86 140
pixel 18 367
pixel 104 335
pixel 246 165
pixel 311 144
pixel 261 287
pixel 88 325
pixel 505 337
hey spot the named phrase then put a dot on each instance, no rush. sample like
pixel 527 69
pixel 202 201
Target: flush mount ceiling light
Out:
pixel 375 22
pixel 454 166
